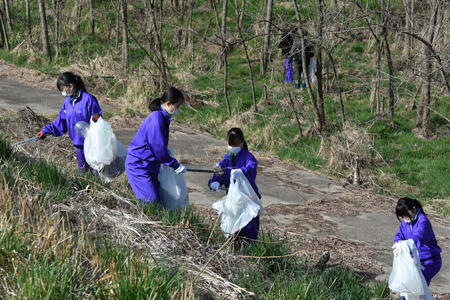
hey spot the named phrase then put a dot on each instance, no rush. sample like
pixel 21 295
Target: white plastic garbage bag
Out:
pixel 311 69
pixel 98 145
pixel 117 167
pixel 239 207
pixel 173 190
pixel 406 276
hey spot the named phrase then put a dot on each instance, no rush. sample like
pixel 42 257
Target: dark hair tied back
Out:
pixel 405 204
pixel 236 135
pixel 67 78
pixel 172 95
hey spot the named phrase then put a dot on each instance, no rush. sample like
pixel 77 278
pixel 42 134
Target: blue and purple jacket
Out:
pixel 81 108
pixel 151 141
pixel 245 161
pixel 421 232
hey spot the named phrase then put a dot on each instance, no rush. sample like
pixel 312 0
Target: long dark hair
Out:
pixel 236 135
pixel 67 78
pixel 173 95
pixel 405 204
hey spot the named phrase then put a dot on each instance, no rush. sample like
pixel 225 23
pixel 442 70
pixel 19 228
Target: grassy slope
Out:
pixel 45 256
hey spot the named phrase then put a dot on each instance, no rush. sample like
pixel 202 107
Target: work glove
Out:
pixel 41 135
pixel 397 249
pixel 181 169
pixel 170 151
pixel 236 173
pixel 95 117
pixel 215 187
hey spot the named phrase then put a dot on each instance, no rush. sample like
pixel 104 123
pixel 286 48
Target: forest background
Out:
pixel 379 102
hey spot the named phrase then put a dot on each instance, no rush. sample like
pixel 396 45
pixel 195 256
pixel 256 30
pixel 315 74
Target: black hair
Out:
pixel 67 78
pixel 236 135
pixel 405 204
pixel 172 95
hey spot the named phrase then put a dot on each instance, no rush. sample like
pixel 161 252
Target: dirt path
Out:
pixel 316 212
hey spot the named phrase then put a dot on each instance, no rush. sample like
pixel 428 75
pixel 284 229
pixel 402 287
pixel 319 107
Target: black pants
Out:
pixel 298 69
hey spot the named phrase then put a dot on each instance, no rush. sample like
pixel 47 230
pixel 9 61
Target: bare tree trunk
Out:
pixel 266 40
pixel 241 14
pixel 159 48
pixel 44 30
pixel 391 81
pixel 429 37
pixel 8 15
pixel 27 11
pixel 341 104
pixel 225 82
pixel 191 32
pixel 223 30
pixel 92 17
pixel 250 69
pixel 297 118
pixel 78 16
pixel 389 62
pixel 57 10
pixel 320 104
pixel 180 31
pixel 125 49
pixel 117 30
pixel 305 69
pixel 3 32
pixel 319 124
pixel 408 27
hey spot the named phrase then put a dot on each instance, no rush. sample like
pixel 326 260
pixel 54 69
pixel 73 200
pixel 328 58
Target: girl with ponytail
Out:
pixel 239 162
pixel 148 149
pixel 78 105
pixel 416 226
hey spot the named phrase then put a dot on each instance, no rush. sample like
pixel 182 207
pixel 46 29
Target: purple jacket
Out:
pixel 422 234
pixel 245 161
pixel 151 140
pixel 81 109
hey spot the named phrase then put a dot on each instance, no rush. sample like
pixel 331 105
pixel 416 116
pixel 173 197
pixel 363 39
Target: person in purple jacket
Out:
pixel 416 226
pixel 78 106
pixel 148 149
pixel 239 162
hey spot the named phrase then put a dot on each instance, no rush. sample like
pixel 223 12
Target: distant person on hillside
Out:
pixel 285 45
pixel 239 162
pixel 79 105
pixel 416 226
pixel 148 149
pixel 295 54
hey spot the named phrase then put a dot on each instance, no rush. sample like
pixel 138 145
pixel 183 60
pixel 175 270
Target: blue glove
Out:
pixel 236 173
pixel 215 187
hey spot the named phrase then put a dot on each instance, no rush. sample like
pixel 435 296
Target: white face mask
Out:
pixel 175 111
pixel 65 94
pixel 234 150
pixel 407 220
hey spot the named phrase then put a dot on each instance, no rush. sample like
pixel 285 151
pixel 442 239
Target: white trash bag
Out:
pixel 98 145
pixel 239 207
pixel 406 276
pixel 311 69
pixel 117 167
pixel 173 192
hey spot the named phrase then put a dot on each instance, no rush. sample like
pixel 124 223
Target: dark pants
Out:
pixel 249 231
pixel 299 69
pixel 83 166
